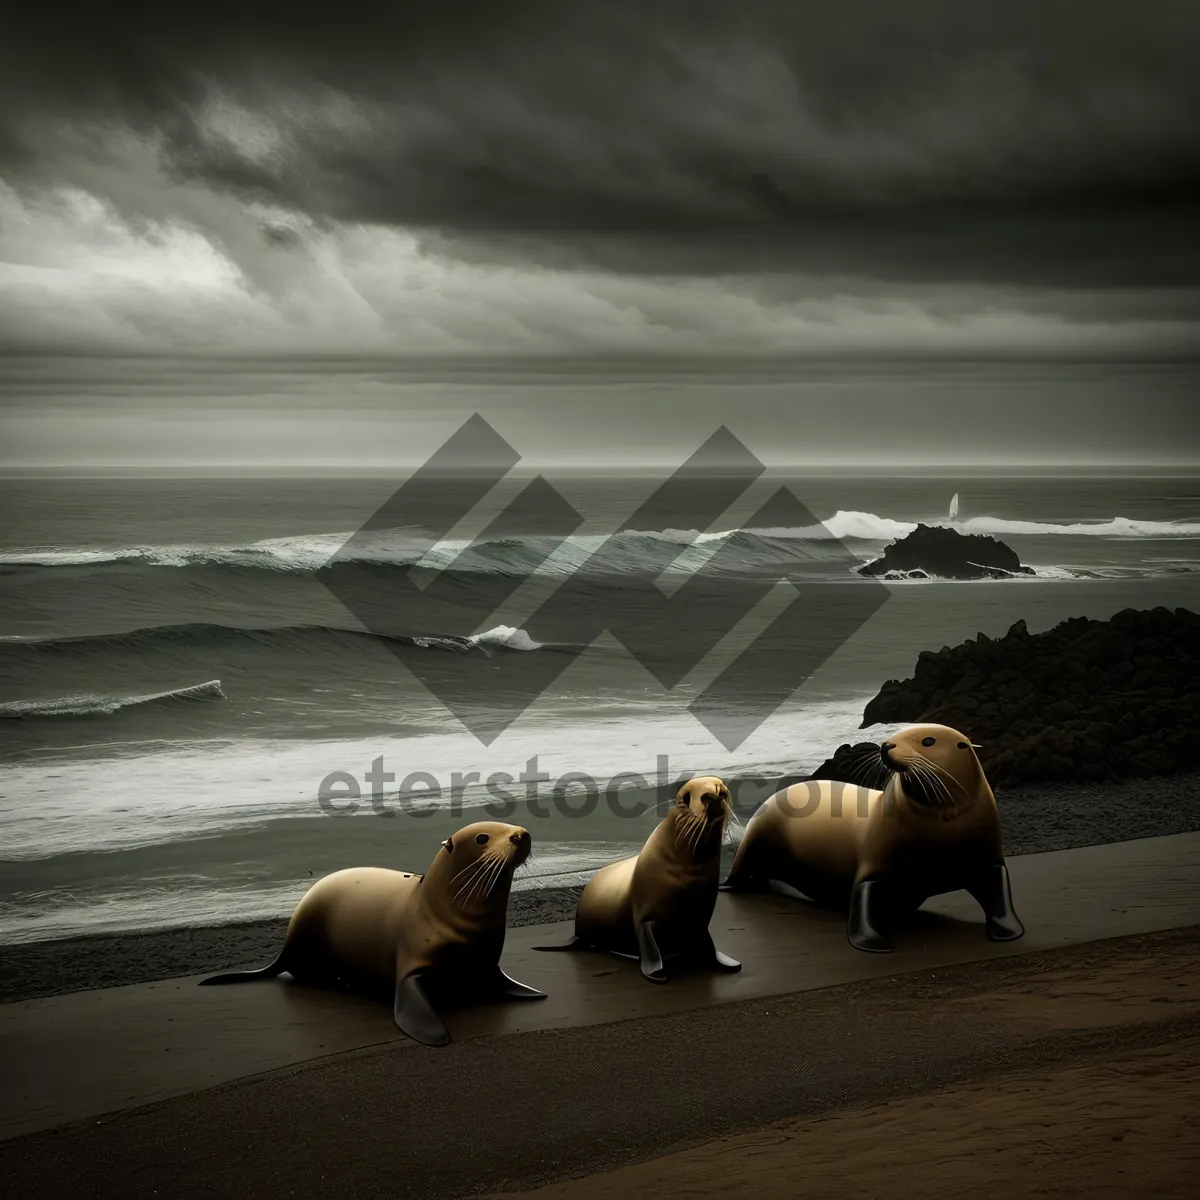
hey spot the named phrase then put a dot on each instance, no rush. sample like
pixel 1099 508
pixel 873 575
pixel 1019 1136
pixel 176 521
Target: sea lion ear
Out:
pixel 448 845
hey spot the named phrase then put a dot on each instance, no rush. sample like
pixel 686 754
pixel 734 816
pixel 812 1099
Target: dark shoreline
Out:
pixel 1036 818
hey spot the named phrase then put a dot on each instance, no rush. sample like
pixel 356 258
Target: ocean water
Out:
pixel 178 681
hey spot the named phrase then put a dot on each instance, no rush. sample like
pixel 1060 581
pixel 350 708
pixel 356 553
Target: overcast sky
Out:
pixel 750 184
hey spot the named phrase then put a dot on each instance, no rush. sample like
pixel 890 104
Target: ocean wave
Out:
pixel 91 704
pixel 630 549
pixel 292 638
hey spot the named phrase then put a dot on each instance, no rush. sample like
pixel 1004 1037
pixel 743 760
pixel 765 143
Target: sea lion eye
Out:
pixel 928 741
pixel 962 745
pixel 481 839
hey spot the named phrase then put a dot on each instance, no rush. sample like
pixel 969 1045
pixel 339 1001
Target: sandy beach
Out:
pixel 1118 1128
pixel 1097 1038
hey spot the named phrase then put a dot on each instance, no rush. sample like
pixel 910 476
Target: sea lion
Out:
pixel 369 927
pixel 933 829
pixel 657 904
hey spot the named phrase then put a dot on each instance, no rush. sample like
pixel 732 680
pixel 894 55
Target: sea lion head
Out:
pixel 706 797
pixel 936 766
pixel 701 809
pixel 475 866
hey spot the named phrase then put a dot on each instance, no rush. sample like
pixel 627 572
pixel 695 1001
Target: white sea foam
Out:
pixel 171 791
pixel 507 637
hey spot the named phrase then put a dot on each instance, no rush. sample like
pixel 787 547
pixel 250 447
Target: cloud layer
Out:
pixel 544 178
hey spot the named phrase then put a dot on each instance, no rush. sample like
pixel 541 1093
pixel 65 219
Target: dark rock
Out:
pixel 942 551
pixel 1088 699
pixel 859 764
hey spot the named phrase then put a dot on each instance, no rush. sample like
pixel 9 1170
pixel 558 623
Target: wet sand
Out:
pixel 1014 1076
pixel 91 1053
pixel 1124 1127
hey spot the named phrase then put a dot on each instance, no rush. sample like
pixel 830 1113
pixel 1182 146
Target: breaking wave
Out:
pixel 632 550
pixel 91 704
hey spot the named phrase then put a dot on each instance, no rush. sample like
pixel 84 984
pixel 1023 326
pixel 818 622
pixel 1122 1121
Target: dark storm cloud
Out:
pixel 1018 144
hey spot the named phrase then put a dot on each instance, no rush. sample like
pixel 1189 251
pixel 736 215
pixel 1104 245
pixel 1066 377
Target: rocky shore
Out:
pixel 1086 700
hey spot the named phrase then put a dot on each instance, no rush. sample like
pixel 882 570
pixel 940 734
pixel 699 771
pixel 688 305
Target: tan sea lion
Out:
pixel 933 829
pixel 444 930
pixel 657 904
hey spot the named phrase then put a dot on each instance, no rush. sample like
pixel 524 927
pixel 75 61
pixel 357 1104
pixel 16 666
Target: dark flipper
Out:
pixel 780 887
pixel 276 968
pixel 414 1014
pixel 509 988
pixel 573 944
pixel 650 955
pixel 863 928
pixel 721 962
pixel 742 882
pixel 993 892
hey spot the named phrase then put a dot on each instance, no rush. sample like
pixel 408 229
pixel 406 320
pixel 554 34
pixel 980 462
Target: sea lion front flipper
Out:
pixel 414 1014
pixel 649 953
pixel 722 962
pixel 993 891
pixel 508 987
pixel 862 929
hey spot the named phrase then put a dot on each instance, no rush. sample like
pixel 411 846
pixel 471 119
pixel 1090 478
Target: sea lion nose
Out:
pixel 520 838
pixel 883 750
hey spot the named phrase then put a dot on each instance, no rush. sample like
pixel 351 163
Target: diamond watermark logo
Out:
pixel 614 585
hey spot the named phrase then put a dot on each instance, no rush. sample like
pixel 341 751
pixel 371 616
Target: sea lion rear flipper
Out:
pixel 507 986
pixel 573 944
pixel 741 880
pixel 651 956
pixel 993 892
pixel 414 1014
pixel 268 972
pixel 862 930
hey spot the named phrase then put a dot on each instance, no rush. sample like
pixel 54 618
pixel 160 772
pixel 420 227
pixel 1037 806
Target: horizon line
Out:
pixel 528 465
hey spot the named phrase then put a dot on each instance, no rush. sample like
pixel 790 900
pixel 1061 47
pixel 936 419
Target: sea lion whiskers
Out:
pixel 491 878
pixel 935 790
pixel 868 771
pixel 469 867
pixel 474 884
pixel 495 874
pixel 701 825
pixel 689 833
pixel 481 866
pixel 927 772
pixel 942 771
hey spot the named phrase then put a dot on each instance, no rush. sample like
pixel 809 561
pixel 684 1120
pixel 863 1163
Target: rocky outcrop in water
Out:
pixel 1084 700
pixel 938 550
